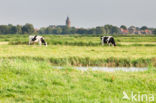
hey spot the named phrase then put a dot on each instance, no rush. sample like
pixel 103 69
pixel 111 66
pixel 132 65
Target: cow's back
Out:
pixel 31 37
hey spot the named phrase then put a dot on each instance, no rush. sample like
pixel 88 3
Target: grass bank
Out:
pixel 83 56
pixel 30 81
pixel 86 61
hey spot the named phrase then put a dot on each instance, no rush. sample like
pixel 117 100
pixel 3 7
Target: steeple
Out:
pixel 68 23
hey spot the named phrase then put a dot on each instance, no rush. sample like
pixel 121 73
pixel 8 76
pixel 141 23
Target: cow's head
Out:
pixel 43 41
pixel 101 37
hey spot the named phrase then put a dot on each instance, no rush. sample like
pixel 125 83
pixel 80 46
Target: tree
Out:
pixel 4 29
pixel 73 30
pixel 12 29
pixel 154 31
pixel 19 29
pixel 123 27
pixel 49 30
pixel 92 31
pixel 42 30
pixel 115 30
pixel 108 28
pixel 144 28
pixel 100 30
pixel 82 31
pixel 28 28
pixel 66 30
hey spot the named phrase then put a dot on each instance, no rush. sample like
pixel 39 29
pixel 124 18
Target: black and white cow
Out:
pixel 108 40
pixel 36 38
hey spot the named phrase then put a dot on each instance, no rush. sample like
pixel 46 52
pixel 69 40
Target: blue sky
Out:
pixel 83 13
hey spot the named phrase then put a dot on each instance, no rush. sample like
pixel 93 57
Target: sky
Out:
pixel 82 13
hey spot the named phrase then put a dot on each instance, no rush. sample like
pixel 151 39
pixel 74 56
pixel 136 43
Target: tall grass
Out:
pixel 83 56
pixel 31 81
pixel 77 61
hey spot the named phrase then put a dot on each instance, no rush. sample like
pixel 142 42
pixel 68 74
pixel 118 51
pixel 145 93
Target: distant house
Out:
pixel 138 32
pixel 135 30
pixel 132 30
pixel 123 31
pixel 147 31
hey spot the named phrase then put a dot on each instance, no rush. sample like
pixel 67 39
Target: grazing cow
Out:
pixel 108 40
pixel 36 38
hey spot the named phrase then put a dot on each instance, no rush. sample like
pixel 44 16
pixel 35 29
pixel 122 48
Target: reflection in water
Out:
pixel 107 69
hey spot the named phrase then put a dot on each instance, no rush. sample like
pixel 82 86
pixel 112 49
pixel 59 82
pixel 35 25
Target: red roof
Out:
pixel 124 30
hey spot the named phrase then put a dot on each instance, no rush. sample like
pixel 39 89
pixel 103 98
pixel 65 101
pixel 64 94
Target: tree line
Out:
pixel 107 29
pixel 29 29
pixel 18 29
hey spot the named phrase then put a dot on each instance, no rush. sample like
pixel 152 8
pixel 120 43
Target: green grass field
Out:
pixel 138 51
pixel 27 74
pixel 77 40
pixel 37 82
pixel 83 55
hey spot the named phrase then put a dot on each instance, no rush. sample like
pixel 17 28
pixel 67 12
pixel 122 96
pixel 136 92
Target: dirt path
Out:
pixel 2 43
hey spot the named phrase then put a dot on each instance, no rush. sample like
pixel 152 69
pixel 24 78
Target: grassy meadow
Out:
pixel 82 40
pixel 29 81
pixel 83 55
pixel 28 75
pixel 76 50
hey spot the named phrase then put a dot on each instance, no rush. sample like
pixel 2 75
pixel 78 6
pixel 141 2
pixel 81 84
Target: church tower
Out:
pixel 68 23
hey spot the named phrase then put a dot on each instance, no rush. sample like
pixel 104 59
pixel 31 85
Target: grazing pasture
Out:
pixel 83 55
pixel 77 40
pixel 28 75
pixel 138 51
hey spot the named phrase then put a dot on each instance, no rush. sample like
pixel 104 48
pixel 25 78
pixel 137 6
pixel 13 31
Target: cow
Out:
pixel 36 38
pixel 108 40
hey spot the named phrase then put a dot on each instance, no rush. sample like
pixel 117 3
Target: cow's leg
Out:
pixel 40 43
pixel 111 44
pixel 107 42
pixel 29 42
pixel 102 42
pixel 46 44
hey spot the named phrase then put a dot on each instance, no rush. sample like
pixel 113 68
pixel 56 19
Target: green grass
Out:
pixel 27 73
pixel 35 81
pixel 78 40
pixel 83 55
